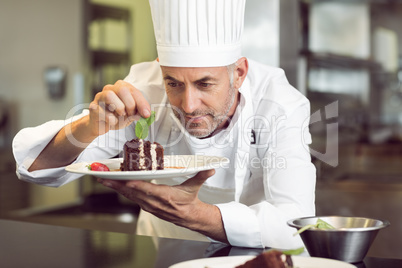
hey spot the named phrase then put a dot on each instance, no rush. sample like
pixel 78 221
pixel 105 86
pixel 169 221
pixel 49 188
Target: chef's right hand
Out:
pixel 116 107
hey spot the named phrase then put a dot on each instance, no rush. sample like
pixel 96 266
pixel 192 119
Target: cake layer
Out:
pixel 139 154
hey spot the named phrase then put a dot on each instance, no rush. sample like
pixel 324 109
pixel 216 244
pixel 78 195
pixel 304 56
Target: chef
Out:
pixel 209 101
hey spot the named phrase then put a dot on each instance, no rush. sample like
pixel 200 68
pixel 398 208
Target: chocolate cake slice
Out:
pixel 269 259
pixel 139 154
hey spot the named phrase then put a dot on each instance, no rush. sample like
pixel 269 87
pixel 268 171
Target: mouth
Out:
pixel 196 119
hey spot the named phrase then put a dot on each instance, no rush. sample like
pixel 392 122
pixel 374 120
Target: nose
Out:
pixel 190 100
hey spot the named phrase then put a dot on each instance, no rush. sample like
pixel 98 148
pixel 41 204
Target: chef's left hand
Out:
pixel 178 204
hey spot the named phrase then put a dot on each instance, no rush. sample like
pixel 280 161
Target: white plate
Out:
pixel 233 261
pixel 175 166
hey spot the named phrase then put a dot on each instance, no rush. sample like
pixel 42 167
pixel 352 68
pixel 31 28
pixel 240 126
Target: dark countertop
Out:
pixel 25 244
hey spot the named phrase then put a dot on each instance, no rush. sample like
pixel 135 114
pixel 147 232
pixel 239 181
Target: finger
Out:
pixel 141 103
pixel 133 99
pixel 114 184
pixel 112 102
pixel 121 188
pixel 199 179
pixel 128 101
pixel 109 103
pixel 123 99
pixel 101 113
pixel 98 119
pixel 123 91
pixel 146 188
pixel 160 200
pixel 151 195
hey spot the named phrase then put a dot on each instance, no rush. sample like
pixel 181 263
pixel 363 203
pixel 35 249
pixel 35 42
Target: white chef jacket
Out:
pixel 270 178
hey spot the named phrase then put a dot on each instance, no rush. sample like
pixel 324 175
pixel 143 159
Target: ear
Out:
pixel 240 72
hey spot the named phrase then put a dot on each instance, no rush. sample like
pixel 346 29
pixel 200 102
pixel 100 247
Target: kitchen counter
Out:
pixel 102 212
pixel 26 244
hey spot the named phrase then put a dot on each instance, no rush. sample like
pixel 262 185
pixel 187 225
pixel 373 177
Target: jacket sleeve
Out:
pixel 29 143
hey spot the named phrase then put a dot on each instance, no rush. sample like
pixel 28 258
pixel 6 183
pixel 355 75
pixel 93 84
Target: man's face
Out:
pixel 202 98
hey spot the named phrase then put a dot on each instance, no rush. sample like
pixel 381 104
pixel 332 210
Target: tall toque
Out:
pixel 198 33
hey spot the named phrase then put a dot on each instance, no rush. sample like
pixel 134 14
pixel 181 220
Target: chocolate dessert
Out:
pixel 269 259
pixel 139 154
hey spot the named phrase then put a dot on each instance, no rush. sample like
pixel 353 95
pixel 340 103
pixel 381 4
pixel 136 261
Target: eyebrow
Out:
pixel 202 80
pixel 168 77
pixel 206 79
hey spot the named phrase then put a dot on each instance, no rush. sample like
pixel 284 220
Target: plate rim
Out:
pixel 145 174
pixel 249 257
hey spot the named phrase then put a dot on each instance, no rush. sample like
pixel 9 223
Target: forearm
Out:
pixel 64 148
pixel 207 220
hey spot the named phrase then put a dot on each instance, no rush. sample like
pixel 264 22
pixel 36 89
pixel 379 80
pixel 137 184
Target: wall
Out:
pixel 35 35
pixel 260 40
pixel 389 17
pixel 41 33
pixel 144 47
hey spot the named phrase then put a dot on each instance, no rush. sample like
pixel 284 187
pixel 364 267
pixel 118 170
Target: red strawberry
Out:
pixel 95 166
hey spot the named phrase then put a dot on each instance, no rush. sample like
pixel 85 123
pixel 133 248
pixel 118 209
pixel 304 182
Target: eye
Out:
pixel 173 84
pixel 204 85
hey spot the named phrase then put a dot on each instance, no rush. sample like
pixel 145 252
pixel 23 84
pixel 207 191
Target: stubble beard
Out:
pixel 194 129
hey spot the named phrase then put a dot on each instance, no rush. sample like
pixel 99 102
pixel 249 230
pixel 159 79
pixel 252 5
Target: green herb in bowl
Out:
pixel 320 224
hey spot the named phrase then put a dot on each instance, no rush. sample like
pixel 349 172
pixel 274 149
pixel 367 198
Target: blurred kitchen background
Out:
pixel 345 56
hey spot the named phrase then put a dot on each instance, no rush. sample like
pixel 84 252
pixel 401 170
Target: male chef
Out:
pixel 211 101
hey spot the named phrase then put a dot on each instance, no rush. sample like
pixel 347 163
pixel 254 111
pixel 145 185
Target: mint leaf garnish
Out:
pixel 142 126
pixel 151 118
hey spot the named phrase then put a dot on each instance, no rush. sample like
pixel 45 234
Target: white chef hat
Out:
pixel 198 33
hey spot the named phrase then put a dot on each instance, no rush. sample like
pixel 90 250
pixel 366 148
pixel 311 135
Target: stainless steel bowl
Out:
pixel 349 241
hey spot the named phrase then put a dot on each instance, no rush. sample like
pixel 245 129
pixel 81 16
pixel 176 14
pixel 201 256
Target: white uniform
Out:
pixel 270 178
